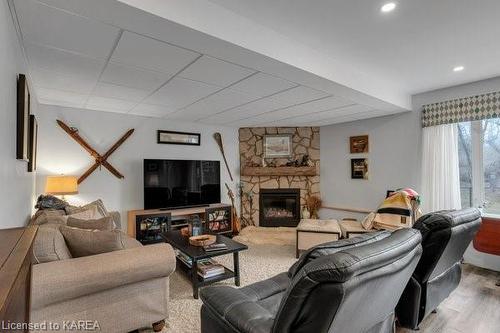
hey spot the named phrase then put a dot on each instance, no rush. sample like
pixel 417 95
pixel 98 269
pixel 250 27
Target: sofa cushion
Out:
pixel 49 244
pixel 97 206
pixel 54 216
pixel 84 242
pixel 333 247
pixel 104 223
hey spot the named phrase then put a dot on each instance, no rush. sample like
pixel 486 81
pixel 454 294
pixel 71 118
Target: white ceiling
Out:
pixel 108 56
pixel 417 45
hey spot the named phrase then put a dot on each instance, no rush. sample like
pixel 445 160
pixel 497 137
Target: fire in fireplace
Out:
pixel 279 207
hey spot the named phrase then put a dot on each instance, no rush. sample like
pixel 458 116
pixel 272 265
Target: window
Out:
pixel 479 162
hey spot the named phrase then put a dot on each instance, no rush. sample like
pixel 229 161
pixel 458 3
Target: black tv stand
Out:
pixel 183 207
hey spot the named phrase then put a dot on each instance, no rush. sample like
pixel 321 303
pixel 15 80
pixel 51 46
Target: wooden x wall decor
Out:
pixel 99 159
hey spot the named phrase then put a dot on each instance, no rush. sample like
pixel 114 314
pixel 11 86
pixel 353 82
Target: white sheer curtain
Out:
pixel 440 173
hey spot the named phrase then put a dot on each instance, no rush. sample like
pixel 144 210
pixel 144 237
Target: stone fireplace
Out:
pixel 305 141
pixel 279 207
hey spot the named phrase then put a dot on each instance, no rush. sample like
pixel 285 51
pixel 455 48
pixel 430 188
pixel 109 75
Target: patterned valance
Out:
pixel 463 109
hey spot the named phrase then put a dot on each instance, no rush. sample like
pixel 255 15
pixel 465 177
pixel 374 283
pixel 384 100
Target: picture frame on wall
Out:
pixel 359 168
pixel 358 144
pixel 178 138
pixel 277 146
pixel 23 113
pixel 33 144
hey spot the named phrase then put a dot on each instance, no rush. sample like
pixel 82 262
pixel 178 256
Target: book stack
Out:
pixel 210 268
pixel 215 247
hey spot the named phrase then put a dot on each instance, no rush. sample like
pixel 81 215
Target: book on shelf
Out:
pixel 215 247
pixel 210 269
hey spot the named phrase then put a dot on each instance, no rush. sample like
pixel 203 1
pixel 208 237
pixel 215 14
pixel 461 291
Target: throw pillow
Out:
pixel 98 205
pixel 89 213
pixel 84 242
pixel 49 216
pixel 367 222
pixel 49 244
pixel 105 223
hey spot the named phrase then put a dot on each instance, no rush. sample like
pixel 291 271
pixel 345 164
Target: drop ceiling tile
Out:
pixel 148 110
pixel 63 62
pixel 144 52
pixel 262 85
pixel 215 71
pixel 348 111
pixel 218 102
pixel 72 83
pixel 300 94
pixel 45 25
pixel 133 77
pixel 109 104
pixel 319 105
pixel 119 92
pixel 59 97
pixel 245 111
pixel 181 92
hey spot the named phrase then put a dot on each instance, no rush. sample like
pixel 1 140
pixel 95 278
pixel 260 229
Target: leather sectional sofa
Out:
pixel 364 276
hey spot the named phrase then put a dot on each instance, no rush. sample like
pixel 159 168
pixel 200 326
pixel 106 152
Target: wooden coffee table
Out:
pixel 197 253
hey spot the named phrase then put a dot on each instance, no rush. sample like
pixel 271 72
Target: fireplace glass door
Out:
pixel 279 207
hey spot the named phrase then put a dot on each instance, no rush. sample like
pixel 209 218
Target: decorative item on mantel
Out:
pixel 99 159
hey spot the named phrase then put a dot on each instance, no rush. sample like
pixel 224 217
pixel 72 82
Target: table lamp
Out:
pixel 61 185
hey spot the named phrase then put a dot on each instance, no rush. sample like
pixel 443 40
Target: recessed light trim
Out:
pixel 388 7
pixel 458 68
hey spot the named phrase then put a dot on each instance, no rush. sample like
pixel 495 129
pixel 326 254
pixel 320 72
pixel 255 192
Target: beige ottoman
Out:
pixel 313 232
pixel 352 228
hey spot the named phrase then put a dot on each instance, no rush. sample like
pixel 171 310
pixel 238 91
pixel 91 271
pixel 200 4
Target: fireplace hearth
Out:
pixel 279 207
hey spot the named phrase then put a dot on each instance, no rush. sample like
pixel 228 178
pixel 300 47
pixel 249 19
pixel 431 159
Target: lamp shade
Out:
pixel 61 185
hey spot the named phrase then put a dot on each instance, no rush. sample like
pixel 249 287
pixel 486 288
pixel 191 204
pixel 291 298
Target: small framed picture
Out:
pixel 23 118
pixel 32 144
pixel 359 168
pixel 358 144
pixel 277 145
pixel 178 138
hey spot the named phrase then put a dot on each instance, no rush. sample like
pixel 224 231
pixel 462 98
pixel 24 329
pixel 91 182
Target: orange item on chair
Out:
pixel 487 239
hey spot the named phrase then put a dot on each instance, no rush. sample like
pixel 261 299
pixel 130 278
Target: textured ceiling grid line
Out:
pixel 105 65
pixel 258 99
pixel 279 109
pixel 164 84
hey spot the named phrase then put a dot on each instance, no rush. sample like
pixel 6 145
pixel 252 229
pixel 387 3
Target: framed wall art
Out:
pixel 33 142
pixel 358 144
pixel 178 138
pixel 277 145
pixel 23 114
pixel 359 168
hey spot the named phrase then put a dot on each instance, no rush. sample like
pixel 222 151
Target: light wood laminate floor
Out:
pixel 473 307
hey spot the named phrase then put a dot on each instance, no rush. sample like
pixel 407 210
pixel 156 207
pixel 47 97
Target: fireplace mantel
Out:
pixel 279 171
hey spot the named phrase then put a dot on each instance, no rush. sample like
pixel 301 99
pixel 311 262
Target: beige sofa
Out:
pixel 120 291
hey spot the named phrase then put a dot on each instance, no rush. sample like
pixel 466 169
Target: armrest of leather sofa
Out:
pixel 237 309
pixel 61 280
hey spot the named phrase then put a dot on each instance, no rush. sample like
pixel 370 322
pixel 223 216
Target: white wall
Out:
pixel 59 153
pixel 16 184
pixel 393 161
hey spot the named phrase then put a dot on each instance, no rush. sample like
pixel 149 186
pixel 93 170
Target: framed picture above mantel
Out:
pixel 178 138
pixel 277 146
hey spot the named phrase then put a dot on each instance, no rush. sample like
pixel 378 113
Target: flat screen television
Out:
pixel 180 183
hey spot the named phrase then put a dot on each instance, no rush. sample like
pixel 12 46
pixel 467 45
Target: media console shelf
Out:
pixel 175 213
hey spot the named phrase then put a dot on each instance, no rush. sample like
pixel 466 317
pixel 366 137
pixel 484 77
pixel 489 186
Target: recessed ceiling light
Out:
pixel 458 68
pixel 388 7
